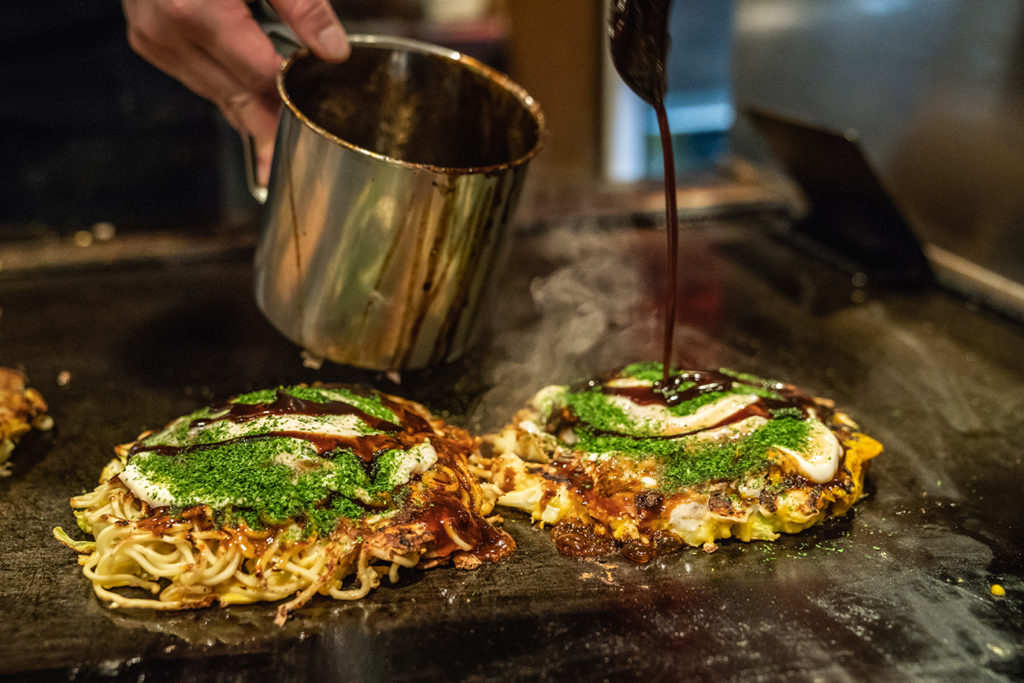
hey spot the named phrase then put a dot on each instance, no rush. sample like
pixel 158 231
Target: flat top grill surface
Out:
pixel 899 588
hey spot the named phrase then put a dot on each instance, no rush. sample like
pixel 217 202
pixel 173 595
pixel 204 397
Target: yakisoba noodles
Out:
pixel 281 495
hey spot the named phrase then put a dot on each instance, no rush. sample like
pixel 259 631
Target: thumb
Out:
pixel 316 25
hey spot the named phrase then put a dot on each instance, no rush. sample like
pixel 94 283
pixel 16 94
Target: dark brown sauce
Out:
pixel 672 226
pixel 606 498
pixel 366 447
pixel 161 520
pixel 661 543
pixel 577 539
pixel 649 504
pixel 409 431
pixel 159 523
pixel 669 393
pixel 286 404
pixel 444 509
pixel 249 544
pixel 487 542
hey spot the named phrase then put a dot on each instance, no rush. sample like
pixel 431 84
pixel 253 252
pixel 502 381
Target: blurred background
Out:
pixel 99 146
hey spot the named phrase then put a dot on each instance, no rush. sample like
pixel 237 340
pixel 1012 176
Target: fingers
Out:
pixel 316 25
pixel 214 47
pixel 217 50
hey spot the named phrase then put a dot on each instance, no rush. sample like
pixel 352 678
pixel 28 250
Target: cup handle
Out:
pixel 285 42
pixel 258 191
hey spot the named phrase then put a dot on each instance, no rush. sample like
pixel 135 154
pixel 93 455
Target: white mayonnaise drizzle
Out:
pixel 819 461
pixel 658 420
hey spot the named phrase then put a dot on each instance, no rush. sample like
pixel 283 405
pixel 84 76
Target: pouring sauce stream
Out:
pixel 639 49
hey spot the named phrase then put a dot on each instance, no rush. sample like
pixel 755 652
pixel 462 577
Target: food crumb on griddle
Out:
pixel 21 409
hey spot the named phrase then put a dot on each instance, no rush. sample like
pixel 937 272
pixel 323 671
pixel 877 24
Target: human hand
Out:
pixel 217 50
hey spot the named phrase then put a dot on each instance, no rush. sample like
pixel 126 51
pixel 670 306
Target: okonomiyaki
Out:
pixel 632 464
pixel 280 495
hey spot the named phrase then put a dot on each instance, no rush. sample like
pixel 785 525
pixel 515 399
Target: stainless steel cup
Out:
pixel 394 178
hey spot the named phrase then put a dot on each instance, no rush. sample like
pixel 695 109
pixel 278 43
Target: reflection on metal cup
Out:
pixel 394 178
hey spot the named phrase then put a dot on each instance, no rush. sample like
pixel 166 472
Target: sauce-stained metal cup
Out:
pixel 394 179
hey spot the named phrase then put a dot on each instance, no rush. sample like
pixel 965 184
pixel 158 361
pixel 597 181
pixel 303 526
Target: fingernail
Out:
pixel 334 43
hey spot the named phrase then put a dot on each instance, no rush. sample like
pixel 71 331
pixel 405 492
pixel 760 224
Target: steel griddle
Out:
pixel 899 589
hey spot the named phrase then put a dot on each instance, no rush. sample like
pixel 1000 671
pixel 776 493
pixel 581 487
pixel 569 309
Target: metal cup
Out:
pixel 394 178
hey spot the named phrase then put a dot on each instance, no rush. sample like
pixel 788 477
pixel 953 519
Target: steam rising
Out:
pixel 596 308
